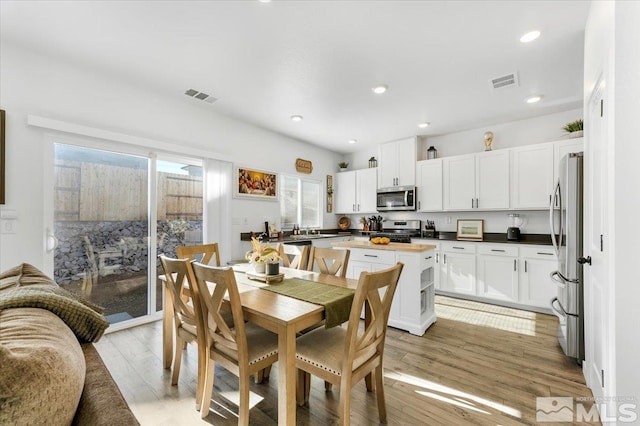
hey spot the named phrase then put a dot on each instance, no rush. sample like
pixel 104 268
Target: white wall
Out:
pixel 36 84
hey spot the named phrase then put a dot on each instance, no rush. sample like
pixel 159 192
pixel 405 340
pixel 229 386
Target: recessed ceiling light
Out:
pixel 423 125
pixel 352 141
pixel 264 1
pixel 379 89
pixel 530 36
pixel 533 99
pixel 297 118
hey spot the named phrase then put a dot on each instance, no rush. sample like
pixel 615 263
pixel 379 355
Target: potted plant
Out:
pixel 574 129
pixel 261 254
pixel 343 165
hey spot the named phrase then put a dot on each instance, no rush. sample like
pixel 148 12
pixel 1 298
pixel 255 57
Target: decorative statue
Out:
pixel 488 140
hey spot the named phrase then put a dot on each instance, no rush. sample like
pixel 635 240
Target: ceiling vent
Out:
pixel 505 81
pixel 200 95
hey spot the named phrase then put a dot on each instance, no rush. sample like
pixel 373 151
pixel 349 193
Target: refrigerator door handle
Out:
pixel 552 224
pixel 558 312
pixel 559 281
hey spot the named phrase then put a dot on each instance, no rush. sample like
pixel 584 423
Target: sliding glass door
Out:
pixel 113 212
pixel 101 221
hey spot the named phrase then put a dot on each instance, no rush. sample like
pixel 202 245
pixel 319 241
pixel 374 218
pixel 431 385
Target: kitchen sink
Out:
pixel 312 236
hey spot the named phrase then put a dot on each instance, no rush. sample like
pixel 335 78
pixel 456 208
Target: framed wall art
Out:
pixel 2 171
pixel 255 184
pixel 470 229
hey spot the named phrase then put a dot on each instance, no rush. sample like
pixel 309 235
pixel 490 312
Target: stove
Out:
pixel 399 231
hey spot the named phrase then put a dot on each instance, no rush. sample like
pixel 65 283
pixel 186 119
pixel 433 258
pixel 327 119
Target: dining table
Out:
pixel 278 313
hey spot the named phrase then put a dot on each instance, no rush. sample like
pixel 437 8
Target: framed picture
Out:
pixel 256 184
pixel 2 200
pixel 472 229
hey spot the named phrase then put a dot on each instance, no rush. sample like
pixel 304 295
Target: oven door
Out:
pixel 396 199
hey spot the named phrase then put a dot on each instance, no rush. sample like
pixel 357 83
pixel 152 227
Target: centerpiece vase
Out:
pixel 259 267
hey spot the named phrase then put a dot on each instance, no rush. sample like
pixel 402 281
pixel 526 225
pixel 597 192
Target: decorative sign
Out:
pixel 303 166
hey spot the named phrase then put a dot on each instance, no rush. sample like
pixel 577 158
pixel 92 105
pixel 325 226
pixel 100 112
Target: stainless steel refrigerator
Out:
pixel 565 217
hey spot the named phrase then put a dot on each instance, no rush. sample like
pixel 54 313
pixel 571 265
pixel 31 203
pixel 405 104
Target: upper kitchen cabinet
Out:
pixel 429 182
pixel 477 181
pixel 531 176
pixel 397 163
pixel 356 191
pixel 534 171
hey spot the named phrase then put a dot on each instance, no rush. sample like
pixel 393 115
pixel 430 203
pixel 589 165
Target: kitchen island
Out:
pixel 413 307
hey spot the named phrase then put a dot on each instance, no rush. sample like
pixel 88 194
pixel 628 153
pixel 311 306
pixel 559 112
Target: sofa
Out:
pixel 50 371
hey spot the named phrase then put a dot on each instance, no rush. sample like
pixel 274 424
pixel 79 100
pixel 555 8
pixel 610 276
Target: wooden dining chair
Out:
pixel 345 356
pixel 293 256
pixel 243 349
pixel 203 253
pixel 329 261
pixel 188 319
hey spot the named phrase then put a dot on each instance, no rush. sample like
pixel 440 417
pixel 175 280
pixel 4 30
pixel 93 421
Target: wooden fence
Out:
pixel 102 192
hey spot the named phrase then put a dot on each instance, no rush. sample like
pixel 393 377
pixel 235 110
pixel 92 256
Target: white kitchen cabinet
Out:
pixel 532 170
pixel 413 307
pixel 536 286
pixel 355 191
pixel 476 181
pixel 458 270
pixel 497 268
pixel 397 163
pixel 429 183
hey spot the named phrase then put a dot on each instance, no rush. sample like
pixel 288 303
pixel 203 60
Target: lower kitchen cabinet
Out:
pixel 515 275
pixel 458 267
pixel 413 306
pixel 537 287
pixel 497 268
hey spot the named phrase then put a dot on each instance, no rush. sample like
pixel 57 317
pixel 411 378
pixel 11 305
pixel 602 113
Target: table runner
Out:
pixel 336 300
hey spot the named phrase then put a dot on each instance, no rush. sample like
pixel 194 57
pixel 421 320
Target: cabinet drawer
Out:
pixel 373 256
pixel 459 247
pixel 498 249
pixel 538 252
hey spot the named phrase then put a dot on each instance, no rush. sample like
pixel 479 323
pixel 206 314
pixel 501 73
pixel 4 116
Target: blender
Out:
pixel 513 231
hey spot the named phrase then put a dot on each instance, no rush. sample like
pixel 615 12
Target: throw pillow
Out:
pixel 23 274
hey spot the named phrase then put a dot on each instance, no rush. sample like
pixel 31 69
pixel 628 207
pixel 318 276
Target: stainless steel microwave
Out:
pixel 397 198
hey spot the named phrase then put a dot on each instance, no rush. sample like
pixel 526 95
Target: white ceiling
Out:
pixel 320 59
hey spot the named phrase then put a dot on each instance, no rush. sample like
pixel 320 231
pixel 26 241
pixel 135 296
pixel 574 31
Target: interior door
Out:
pixel 596 243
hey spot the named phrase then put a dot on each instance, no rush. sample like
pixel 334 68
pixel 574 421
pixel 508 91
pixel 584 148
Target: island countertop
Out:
pixel 417 248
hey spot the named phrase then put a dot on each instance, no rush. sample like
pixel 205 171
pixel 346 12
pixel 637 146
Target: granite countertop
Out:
pixel 389 247
pixel 287 238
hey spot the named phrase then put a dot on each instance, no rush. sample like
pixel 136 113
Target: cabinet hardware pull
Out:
pixel 459 248
pixel 515 263
pixel 370 255
pixel 445 258
pixel 437 257
pixel 472 203
pixel 525 266
pixel 502 251
pixel 418 205
pixel 358 207
pixel 546 254
pixel 354 208
pixel 427 258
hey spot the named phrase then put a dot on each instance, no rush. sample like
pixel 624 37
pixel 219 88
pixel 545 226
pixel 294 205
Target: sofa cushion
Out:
pixel 21 275
pixel 42 368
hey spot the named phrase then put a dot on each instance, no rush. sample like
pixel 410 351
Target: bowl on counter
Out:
pixel 344 223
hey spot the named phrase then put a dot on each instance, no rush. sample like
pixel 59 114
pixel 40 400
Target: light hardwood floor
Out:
pixel 478 364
